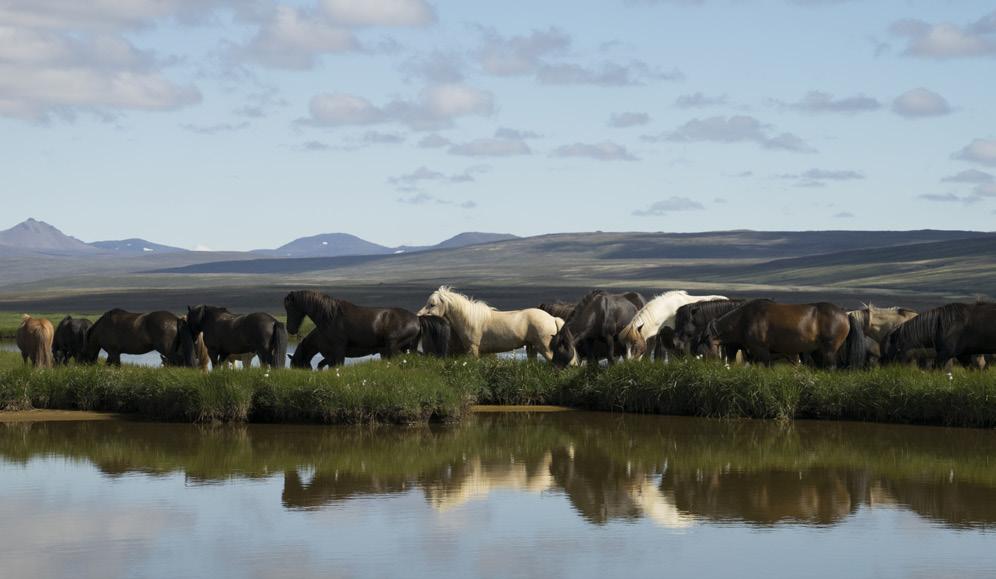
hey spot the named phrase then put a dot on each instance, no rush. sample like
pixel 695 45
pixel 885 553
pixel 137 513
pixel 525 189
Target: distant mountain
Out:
pixel 40 236
pixel 344 244
pixel 327 245
pixel 135 246
pixel 473 238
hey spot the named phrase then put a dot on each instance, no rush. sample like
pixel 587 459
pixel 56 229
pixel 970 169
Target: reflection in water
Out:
pixel 668 473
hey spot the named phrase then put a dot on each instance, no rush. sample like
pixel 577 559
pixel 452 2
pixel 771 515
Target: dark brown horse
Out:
pixel 70 339
pixel 351 328
pixel 436 339
pixel 593 328
pixel 953 331
pixel 765 329
pixel 119 332
pixel 690 323
pixel 226 333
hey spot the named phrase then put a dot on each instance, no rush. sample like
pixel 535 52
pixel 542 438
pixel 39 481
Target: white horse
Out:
pixel 485 330
pixel 658 312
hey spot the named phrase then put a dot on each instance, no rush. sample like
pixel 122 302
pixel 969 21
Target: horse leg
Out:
pixel 530 352
pixel 114 359
pixel 761 355
pixel 610 344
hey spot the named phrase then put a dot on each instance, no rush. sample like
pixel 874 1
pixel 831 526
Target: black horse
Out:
pixel 593 327
pixel 226 333
pixel 955 330
pixel 70 339
pixel 435 339
pixel 562 310
pixel 690 322
pixel 119 332
pixel 351 328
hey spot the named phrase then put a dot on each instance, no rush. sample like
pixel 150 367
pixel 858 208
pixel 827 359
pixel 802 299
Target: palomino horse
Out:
pixel 485 330
pixel 658 312
pixel 593 328
pixel 226 333
pixel 960 331
pixel 878 323
pixel 34 340
pixel 765 328
pixel 70 339
pixel 119 332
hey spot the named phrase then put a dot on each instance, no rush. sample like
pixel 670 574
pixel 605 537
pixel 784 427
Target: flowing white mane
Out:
pixel 650 312
pixel 464 307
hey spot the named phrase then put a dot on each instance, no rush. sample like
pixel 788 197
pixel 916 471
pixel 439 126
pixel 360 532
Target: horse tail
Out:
pixel 184 345
pixel 434 335
pixel 855 347
pixel 278 346
pixel 43 344
pixel 201 353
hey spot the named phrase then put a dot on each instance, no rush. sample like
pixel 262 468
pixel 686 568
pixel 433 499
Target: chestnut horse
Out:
pixel 765 329
pixel 34 339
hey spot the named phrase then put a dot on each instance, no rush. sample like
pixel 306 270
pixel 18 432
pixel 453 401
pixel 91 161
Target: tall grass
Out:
pixel 415 389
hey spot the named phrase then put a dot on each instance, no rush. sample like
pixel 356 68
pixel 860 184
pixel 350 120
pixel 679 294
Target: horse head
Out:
pixel 564 352
pixel 295 313
pixel 708 342
pixel 435 305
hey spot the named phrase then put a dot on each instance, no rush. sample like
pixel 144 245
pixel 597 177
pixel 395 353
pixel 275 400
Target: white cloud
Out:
pixel 920 102
pixel 819 177
pixel 979 151
pixel 946 40
pixel 491 147
pixel 100 14
pixel 669 205
pixel 436 107
pixel 604 151
pixel 45 72
pixel 412 181
pixel 628 119
pixel 733 129
pixel 294 39
pixel 605 74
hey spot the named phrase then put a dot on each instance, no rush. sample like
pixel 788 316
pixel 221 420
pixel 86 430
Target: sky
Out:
pixel 233 125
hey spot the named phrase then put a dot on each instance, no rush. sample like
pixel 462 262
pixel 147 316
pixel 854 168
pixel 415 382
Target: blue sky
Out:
pixel 230 124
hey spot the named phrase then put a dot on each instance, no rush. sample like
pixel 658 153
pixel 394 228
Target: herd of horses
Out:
pixel 600 326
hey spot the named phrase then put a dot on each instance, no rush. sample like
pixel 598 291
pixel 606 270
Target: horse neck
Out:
pixel 467 313
pixel 320 308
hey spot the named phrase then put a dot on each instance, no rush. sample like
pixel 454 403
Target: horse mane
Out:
pixel 472 310
pixel 921 331
pixel 586 301
pixel 315 301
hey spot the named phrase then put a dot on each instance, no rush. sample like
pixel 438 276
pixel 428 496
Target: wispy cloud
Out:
pixel 413 180
pixel 215 128
pixel 628 119
pixel 603 151
pixel 669 205
pixel 969 176
pixel 816 102
pixel 435 107
pixel 698 100
pixel 503 144
pixel 733 129
pixel 979 151
pixel 946 40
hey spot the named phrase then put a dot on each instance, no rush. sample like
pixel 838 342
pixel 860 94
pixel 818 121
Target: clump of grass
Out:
pixel 415 389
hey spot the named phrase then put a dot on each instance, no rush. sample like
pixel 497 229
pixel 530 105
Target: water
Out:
pixel 503 495
pixel 153 359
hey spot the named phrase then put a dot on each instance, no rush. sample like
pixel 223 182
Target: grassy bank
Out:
pixel 419 389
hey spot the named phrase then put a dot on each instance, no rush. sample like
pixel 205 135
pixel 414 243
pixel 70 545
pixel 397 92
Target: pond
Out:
pixel 153 359
pixel 566 494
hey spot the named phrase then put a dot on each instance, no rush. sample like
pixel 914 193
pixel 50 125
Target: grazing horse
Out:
pixel 70 339
pixel 690 322
pixel 658 312
pixel 119 332
pixel 592 329
pixel 34 340
pixel 562 310
pixel 953 331
pixel 226 333
pixel 485 330
pixel 435 340
pixel 351 329
pixel 765 328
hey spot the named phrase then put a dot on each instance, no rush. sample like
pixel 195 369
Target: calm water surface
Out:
pixel 504 495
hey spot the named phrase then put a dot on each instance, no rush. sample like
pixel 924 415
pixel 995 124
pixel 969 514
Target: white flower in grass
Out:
pixel 950 376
